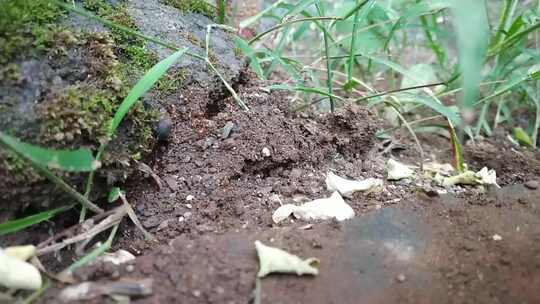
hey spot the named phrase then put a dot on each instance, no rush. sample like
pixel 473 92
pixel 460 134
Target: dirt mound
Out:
pixel 223 167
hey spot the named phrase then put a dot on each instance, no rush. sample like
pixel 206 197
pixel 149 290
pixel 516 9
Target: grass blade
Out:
pixel 360 15
pixel 80 160
pixel 221 11
pixel 142 86
pixel 250 54
pixel 20 224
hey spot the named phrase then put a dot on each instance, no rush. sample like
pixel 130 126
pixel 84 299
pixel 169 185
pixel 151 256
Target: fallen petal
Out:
pixel 433 167
pixel 119 257
pixel 22 253
pixel 482 177
pixel 325 209
pixel 18 274
pixel 283 212
pixel 275 260
pixel 347 187
pixel 319 209
pixel 397 170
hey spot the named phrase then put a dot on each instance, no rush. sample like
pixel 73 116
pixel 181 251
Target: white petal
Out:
pixel 22 253
pixel 347 187
pixel 119 257
pixel 482 177
pixel 283 212
pixel 18 274
pixel 397 170
pixel 275 260
pixel 325 209
pixel 444 169
pixel 319 209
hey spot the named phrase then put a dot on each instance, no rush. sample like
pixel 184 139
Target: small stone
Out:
pixel 227 130
pixel 151 222
pixel 496 237
pixel 189 206
pixel 196 293
pixel 401 278
pixel 266 152
pixel 532 184
pixel 190 198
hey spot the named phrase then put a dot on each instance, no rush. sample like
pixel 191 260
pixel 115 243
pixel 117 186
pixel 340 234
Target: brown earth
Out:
pixel 407 244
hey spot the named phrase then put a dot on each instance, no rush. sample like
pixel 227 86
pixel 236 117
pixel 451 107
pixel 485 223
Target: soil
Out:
pixel 219 172
pixel 218 191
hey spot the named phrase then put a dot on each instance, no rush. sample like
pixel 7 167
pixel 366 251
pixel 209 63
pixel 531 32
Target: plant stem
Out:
pixel 329 82
pixel 277 27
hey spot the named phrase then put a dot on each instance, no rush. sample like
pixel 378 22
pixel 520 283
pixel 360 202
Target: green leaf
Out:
pixel 20 224
pixel 142 86
pixel 522 137
pixel 249 53
pixel 80 160
pixel 114 194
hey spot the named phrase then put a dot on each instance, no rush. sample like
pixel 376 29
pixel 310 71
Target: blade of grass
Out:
pixel 80 160
pixel 221 11
pixel 250 54
pixel 360 14
pixel 141 87
pixel 507 10
pixel 20 224
pixel 58 181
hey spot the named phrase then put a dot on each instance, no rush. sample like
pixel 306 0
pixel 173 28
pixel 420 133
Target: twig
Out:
pixel 108 222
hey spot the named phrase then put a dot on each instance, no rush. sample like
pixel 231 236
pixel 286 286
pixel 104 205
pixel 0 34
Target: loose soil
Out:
pixel 216 191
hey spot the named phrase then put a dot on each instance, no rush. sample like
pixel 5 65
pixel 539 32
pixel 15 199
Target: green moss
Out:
pixel 171 81
pixel 193 6
pixel 25 27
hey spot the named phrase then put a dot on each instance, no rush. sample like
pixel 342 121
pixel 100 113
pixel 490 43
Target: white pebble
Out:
pixel 266 152
pixel 190 197
pixel 496 237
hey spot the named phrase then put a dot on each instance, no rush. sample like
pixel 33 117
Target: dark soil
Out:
pixel 406 245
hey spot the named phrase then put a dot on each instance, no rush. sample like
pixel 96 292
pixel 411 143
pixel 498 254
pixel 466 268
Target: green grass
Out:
pixel 461 46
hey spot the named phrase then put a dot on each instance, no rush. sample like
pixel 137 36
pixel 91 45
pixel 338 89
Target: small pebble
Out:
pixel 266 152
pixel 190 197
pixel 532 184
pixel 401 278
pixel 496 237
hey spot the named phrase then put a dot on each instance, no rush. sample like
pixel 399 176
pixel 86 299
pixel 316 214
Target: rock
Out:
pixel 532 184
pixel 187 30
pixel 151 222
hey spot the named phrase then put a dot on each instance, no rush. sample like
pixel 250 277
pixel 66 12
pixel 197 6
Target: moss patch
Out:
pixel 193 6
pixel 25 27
